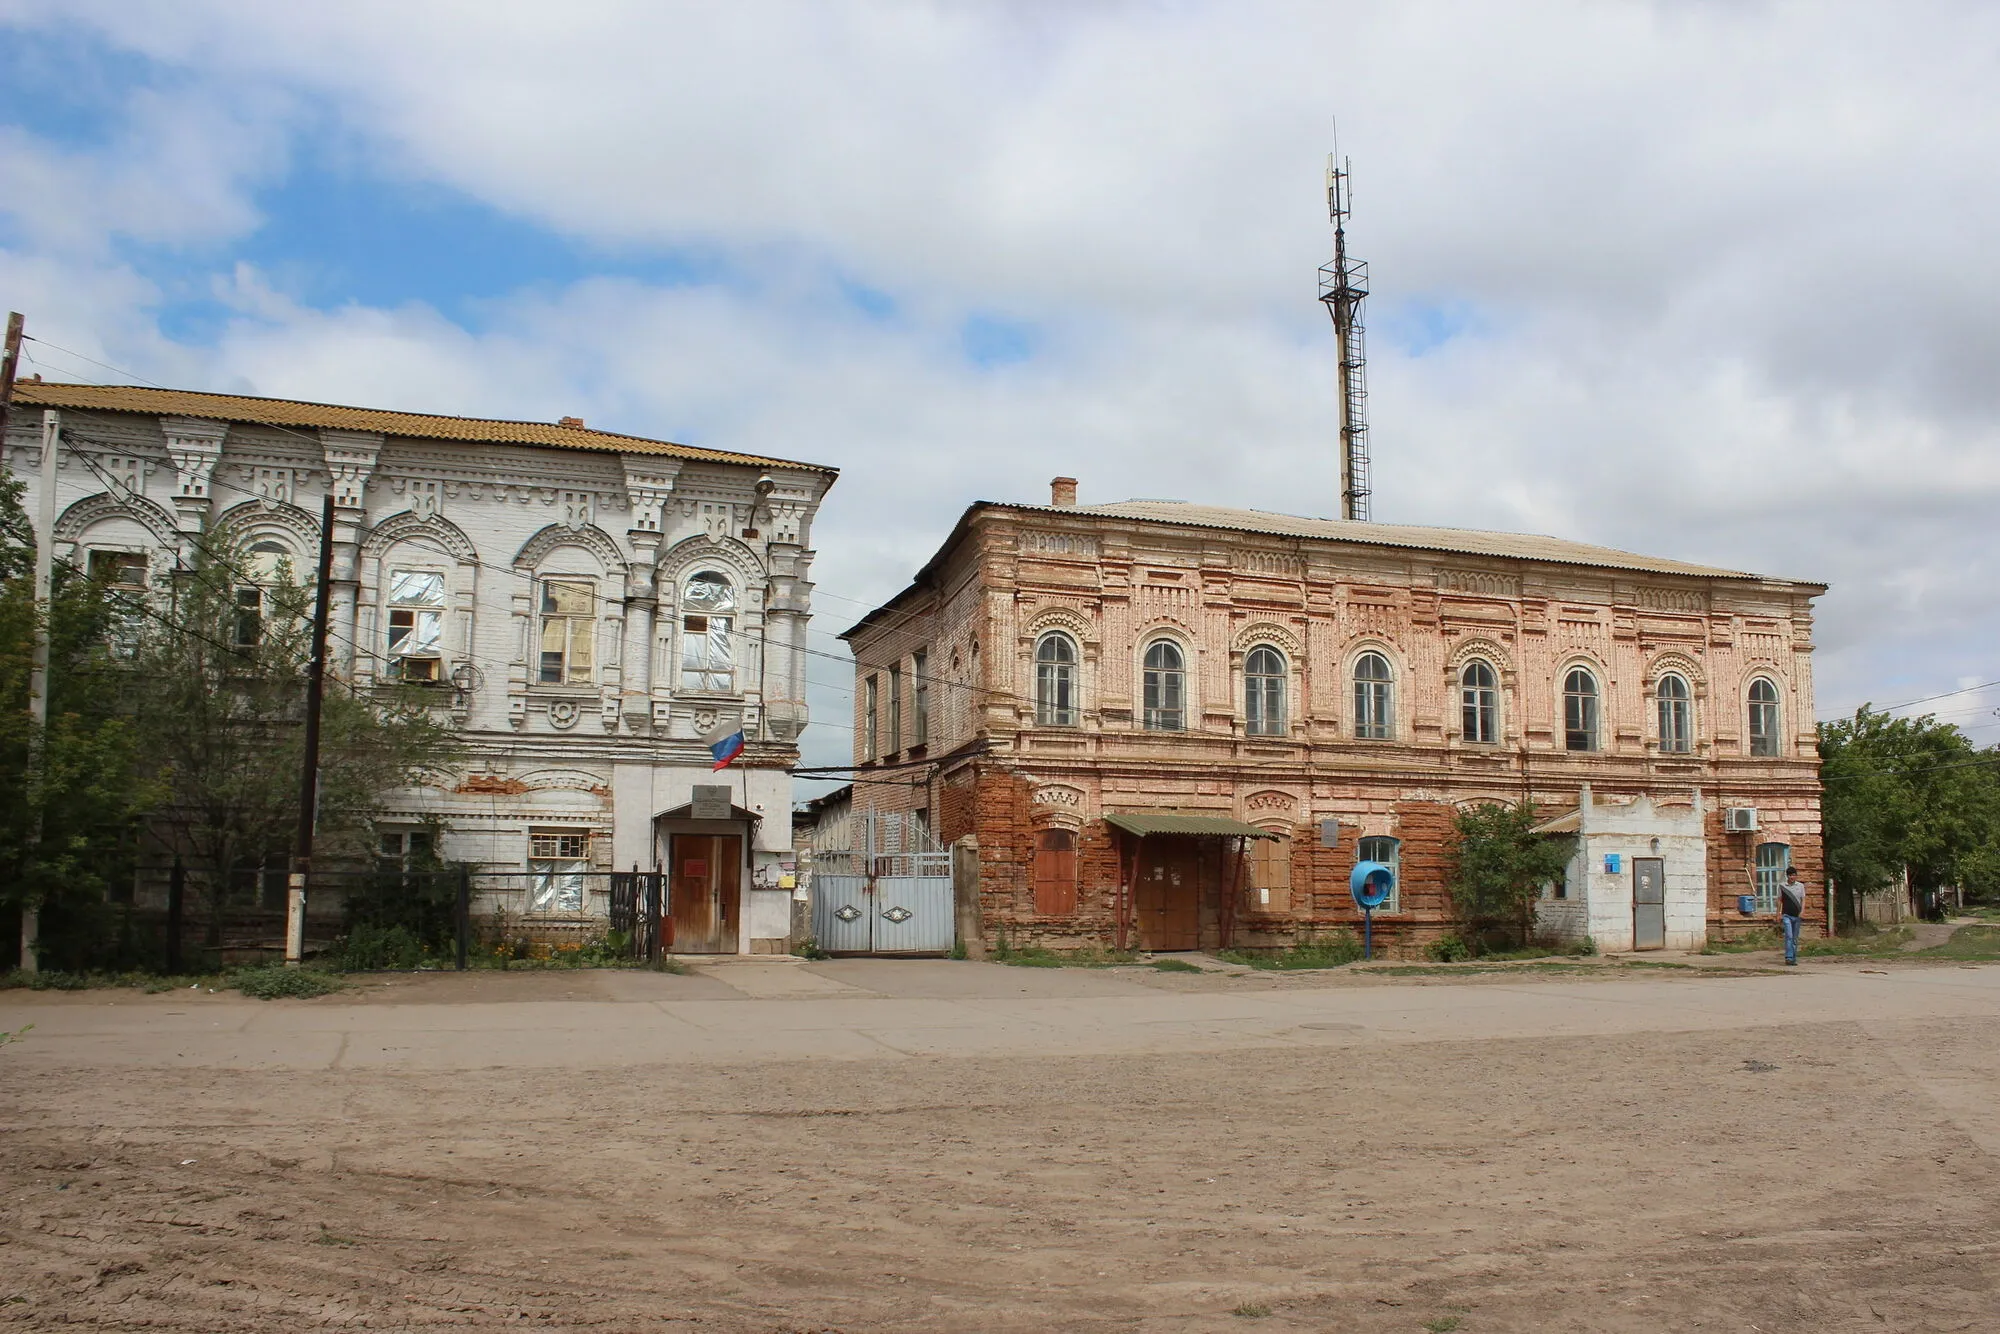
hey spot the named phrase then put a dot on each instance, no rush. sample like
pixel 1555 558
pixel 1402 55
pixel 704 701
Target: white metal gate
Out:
pixel 892 895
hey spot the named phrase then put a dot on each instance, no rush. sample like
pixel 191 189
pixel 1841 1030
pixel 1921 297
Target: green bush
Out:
pixel 1447 949
pixel 1308 951
pixel 270 981
pixel 369 947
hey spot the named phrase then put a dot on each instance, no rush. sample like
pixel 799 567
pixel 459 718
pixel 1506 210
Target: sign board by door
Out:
pixel 710 802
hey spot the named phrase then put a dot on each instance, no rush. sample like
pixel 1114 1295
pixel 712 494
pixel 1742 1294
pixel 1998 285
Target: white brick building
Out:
pixel 588 605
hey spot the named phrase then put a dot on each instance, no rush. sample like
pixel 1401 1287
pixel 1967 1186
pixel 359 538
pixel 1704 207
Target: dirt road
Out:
pixel 865 1146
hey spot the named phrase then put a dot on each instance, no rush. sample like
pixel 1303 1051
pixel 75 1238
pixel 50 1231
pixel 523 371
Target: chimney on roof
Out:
pixel 577 422
pixel 1062 493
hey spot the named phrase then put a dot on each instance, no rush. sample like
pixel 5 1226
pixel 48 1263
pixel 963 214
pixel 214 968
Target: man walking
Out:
pixel 1792 901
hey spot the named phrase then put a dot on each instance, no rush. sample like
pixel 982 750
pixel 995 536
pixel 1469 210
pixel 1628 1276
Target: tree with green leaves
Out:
pixel 70 794
pixel 1908 793
pixel 217 694
pixel 1499 865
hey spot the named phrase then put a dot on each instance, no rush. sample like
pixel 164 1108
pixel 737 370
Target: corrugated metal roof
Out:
pixel 286 412
pixel 1183 822
pixel 1564 822
pixel 1462 541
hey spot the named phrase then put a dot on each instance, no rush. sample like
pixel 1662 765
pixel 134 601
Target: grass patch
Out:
pixel 1174 966
pixel 270 981
pixel 1253 1310
pixel 60 981
pixel 1763 938
pixel 326 1238
pixel 1444 1324
pixel 1037 956
pixel 1329 951
pixel 1867 942
pixel 1968 942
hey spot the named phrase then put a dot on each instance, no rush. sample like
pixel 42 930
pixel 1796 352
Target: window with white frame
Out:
pixel 568 632
pixel 1264 692
pixel 1389 852
pixel 1165 687
pixel 1676 708
pixel 405 849
pixel 262 566
pixel 558 860
pixel 1055 680
pixel 123 576
pixel 1772 859
pixel 416 626
pixel 1479 702
pixel 1580 710
pixel 1374 698
pixel 1763 717
pixel 708 623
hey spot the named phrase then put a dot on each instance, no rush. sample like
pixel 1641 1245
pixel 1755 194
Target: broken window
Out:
pixel 263 565
pixel 708 606
pixel 416 625
pixel 569 624
pixel 557 862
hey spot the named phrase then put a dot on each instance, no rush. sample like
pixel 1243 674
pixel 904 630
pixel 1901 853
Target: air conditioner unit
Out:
pixel 1740 819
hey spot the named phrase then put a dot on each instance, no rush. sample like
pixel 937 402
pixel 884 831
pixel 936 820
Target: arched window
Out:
pixel 1676 715
pixel 1389 852
pixel 1579 710
pixel 1763 717
pixel 1165 687
pixel 1479 702
pixel 1374 698
pixel 1055 681
pixel 1772 859
pixel 1264 692
pixel 708 617
pixel 569 632
pixel 416 626
pixel 263 564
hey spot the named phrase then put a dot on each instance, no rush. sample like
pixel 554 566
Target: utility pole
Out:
pixel 295 897
pixel 38 671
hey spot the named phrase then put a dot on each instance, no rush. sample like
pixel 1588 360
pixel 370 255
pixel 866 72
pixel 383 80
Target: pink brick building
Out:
pixel 1174 726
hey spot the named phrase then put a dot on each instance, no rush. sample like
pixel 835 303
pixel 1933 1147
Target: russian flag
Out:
pixel 726 743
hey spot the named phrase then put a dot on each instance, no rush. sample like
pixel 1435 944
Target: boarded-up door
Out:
pixel 1165 899
pixel 1055 872
pixel 705 892
pixel 1649 903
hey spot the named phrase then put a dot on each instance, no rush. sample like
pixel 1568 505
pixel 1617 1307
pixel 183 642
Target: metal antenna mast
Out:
pixel 1342 286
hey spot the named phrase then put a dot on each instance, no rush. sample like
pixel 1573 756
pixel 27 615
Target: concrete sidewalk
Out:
pixel 874 1008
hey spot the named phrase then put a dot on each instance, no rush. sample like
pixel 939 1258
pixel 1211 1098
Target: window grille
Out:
pixel 1772 859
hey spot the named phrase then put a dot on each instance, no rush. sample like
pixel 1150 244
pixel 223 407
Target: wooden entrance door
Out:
pixel 705 892
pixel 1166 900
pixel 1649 903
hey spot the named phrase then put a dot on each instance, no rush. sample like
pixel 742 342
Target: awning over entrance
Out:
pixel 1143 823
pixel 685 811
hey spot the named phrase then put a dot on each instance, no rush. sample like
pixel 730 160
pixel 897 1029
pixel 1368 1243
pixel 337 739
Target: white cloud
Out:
pixel 1728 291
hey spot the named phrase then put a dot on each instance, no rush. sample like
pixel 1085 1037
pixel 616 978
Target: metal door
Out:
pixel 893 896
pixel 1649 903
pixel 704 893
pixel 1165 900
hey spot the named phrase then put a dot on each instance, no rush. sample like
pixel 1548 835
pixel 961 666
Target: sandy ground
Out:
pixel 873 1145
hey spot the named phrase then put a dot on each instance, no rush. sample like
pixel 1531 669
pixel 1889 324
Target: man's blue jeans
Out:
pixel 1791 938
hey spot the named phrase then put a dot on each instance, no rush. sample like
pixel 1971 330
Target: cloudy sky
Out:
pixel 1704 279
